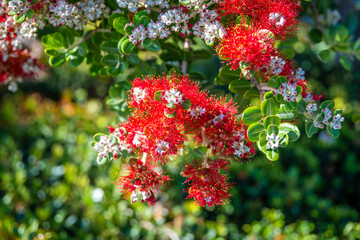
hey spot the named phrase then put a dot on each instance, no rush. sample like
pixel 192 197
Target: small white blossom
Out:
pixel 277 19
pixel 273 141
pixel 276 65
pixel 288 91
pixel 336 122
pixel 139 94
pixel 196 112
pixel 162 147
pixel 173 97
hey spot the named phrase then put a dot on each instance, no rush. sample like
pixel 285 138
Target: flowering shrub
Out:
pixel 167 114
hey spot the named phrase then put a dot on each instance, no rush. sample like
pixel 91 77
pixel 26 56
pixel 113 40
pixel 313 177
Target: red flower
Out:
pixel 140 181
pixel 246 45
pixel 278 16
pixel 207 185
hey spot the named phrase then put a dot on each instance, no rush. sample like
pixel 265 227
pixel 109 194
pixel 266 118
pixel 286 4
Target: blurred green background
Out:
pixel 51 187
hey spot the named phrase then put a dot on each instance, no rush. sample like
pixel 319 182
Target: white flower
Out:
pixel 173 97
pixel 196 112
pixel 139 94
pixel 277 19
pixel 240 149
pixel 218 118
pixel 162 147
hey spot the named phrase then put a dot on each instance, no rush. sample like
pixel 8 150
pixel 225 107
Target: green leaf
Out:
pixel 225 72
pixel 169 114
pixel 241 85
pixel 288 53
pixel 315 35
pixel 341 34
pixel 127 47
pixel 109 47
pixel 335 133
pixel 158 96
pixel 53 41
pixel 325 55
pixel 101 160
pixel 154 46
pixel 272 129
pixel 186 104
pixel 118 69
pixel 254 131
pixel 137 17
pixel 57 60
pixel 133 59
pixel 111 60
pixel 252 115
pixel 112 17
pixel 285 114
pixel 291 130
pixel 202 54
pixel 272 120
pixel 268 95
pixel 119 24
pixel 310 129
pixel 68 37
pixel 142 20
pixel 270 107
pixel 252 93
pixel 97 38
pixel 20 18
pixel 291 105
pixel 30 13
pixel 51 52
pixel 284 139
pixel 301 107
pixel 345 62
pixel 327 104
pixel 97 136
pixel 273 82
pixel 272 155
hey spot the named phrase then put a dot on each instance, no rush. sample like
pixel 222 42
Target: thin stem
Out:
pixel 184 63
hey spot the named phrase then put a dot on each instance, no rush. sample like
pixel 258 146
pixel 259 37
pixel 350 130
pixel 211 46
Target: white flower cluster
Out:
pixel 336 122
pixel 19 7
pixel 300 74
pixel 327 115
pixel 177 20
pixel 277 19
pixel 331 18
pixel 288 91
pixel 240 149
pixel 139 139
pixel 273 141
pixel 76 15
pixel 136 195
pixel 276 65
pixel 311 108
pixel 134 5
pixel 197 112
pixel 138 94
pixel 173 97
pixel 105 146
pixel 218 118
pixel 162 147
pixel 30 67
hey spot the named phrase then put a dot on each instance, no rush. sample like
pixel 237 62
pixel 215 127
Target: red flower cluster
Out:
pixel 208 186
pixel 141 181
pixel 277 16
pixel 250 45
pixel 167 110
pixel 15 64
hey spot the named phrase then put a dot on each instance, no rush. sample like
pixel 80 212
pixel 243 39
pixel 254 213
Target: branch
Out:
pixel 184 62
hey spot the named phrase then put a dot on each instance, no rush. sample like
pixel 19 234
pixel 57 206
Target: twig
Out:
pixel 184 62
